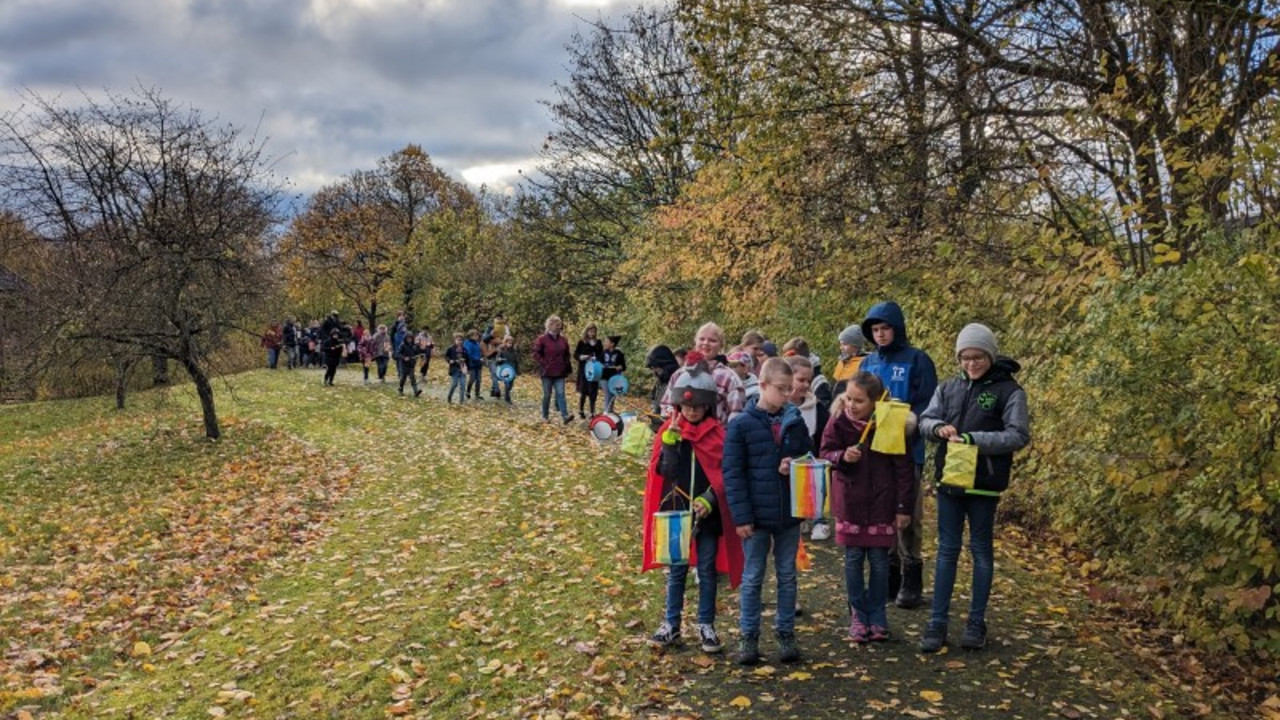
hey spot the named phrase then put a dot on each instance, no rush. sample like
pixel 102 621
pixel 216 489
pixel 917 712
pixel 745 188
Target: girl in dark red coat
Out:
pixel 872 495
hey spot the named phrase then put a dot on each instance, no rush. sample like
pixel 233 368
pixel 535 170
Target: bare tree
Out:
pixel 156 218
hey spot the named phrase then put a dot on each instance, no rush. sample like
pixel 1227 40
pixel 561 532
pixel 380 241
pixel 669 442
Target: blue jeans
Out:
pixel 548 384
pixel 494 382
pixel 273 357
pixel 458 382
pixel 952 511
pixel 868 599
pixel 473 380
pixel 291 356
pixel 755 550
pixel 706 545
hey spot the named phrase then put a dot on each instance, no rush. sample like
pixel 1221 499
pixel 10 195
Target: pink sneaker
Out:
pixel 857 631
pixel 879 633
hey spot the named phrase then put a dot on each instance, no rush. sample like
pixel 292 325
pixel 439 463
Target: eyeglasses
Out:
pixel 973 359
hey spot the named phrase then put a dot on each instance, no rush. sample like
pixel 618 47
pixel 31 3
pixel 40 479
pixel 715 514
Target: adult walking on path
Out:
pixel 551 352
pixel 909 376
pixel 271 342
pixel 589 349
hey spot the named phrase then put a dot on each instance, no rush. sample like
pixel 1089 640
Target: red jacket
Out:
pixel 552 355
pixel 707 439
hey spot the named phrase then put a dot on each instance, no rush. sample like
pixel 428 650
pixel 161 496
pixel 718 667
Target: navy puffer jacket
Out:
pixel 757 493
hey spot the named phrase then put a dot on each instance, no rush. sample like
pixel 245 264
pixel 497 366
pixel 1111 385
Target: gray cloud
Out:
pixel 333 84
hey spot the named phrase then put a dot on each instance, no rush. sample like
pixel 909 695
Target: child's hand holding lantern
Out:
pixel 852 454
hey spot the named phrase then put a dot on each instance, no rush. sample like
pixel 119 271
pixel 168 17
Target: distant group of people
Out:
pixel 731 421
pixel 736 420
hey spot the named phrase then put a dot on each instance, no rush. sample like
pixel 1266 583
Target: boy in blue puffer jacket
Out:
pixel 758 448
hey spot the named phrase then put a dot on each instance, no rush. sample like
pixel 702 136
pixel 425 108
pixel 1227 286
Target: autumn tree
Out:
pixel 629 130
pixel 1150 96
pixel 355 236
pixel 155 221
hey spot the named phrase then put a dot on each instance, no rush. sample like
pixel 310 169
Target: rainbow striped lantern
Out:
pixel 672 531
pixel 810 488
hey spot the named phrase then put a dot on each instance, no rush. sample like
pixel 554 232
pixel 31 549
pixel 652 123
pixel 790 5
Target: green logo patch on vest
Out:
pixel 986 401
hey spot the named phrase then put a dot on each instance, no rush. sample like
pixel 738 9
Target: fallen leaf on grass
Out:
pixel 742 701
pixel 932 696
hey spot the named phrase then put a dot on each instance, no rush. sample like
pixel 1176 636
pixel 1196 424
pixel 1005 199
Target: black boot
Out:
pixel 895 579
pixel 912 587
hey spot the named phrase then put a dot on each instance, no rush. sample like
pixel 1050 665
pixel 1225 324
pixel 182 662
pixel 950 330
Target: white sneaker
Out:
pixel 821 531
pixel 709 639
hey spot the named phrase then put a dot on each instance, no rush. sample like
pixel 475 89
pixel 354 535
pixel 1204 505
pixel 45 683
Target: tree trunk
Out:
pixel 159 371
pixel 122 377
pixel 204 389
pixel 372 317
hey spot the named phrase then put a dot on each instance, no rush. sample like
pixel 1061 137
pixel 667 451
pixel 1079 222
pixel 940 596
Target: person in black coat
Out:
pixel 333 349
pixel 588 349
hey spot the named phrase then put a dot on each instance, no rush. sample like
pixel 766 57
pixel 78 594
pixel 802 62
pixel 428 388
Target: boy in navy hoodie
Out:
pixel 759 445
pixel 909 376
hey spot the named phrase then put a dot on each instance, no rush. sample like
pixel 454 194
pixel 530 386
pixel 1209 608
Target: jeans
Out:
pixel 906 550
pixel 473 380
pixel 506 390
pixel 291 356
pixel 557 384
pixel 273 357
pixel 952 511
pixel 868 600
pixel 706 545
pixel 382 368
pixel 494 382
pixel 608 399
pixel 755 550
pixel 458 382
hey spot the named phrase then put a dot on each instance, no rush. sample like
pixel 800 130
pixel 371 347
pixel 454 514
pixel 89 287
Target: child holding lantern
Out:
pixel 760 444
pixel 685 474
pixel 872 495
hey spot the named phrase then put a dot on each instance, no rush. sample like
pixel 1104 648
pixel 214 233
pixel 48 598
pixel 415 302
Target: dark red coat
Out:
pixel 866 495
pixel 552 355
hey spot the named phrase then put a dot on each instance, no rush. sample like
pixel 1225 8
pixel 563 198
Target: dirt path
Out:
pixel 1045 658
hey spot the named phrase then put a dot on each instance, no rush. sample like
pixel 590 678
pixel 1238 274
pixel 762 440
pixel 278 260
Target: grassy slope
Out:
pixel 439 561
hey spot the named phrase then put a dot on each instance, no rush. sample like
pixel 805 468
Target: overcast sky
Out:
pixel 333 85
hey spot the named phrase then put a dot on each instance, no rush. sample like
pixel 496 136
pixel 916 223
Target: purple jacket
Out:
pixel 552 355
pixel 866 495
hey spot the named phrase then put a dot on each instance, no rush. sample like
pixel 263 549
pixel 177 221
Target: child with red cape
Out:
pixel 684 474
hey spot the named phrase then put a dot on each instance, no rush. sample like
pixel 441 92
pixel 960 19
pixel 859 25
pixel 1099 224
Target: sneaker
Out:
pixel 879 633
pixel 417 392
pixel 665 636
pixel 568 419
pixel 935 636
pixel 710 640
pixel 821 531
pixel 788 650
pixel 748 650
pixel 975 635
pixel 857 630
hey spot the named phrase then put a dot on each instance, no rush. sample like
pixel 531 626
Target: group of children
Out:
pixel 725 450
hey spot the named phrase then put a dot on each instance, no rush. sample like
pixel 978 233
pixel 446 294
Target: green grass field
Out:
pixel 349 553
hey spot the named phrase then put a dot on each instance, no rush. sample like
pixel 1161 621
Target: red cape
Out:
pixel 707 438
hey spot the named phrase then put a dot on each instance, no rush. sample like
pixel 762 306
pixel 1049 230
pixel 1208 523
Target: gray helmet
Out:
pixel 695 387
